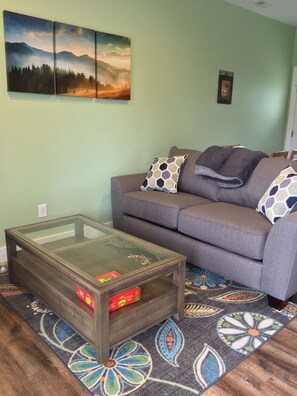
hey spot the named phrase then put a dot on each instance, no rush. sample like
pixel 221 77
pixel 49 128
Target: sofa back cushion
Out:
pixel 263 175
pixel 188 181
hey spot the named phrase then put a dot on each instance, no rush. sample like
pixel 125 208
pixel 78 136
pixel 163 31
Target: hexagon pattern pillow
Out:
pixel 280 197
pixel 163 174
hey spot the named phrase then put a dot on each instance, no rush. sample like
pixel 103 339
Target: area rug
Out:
pixel 224 323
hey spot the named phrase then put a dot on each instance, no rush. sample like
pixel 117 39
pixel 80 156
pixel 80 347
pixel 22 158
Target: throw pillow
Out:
pixel 281 196
pixel 163 174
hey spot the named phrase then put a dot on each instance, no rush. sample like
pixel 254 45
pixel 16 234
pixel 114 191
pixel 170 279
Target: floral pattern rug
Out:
pixel 224 323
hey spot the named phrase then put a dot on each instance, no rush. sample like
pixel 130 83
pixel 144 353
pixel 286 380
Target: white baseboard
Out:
pixel 3 253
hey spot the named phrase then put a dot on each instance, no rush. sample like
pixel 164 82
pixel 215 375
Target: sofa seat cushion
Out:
pixel 159 207
pixel 234 228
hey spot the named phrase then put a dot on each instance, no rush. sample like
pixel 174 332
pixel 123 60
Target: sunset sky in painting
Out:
pixel 75 39
pixel 36 32
pixel 113 49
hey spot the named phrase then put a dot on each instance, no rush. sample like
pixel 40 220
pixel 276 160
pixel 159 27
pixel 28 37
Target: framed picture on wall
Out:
pixel 29 54
pixel 225 87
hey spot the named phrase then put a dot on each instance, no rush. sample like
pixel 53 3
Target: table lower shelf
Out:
pixel 58 292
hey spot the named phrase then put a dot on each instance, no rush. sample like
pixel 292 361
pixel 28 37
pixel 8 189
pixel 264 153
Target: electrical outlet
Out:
pixel 3 268
pixel 42 210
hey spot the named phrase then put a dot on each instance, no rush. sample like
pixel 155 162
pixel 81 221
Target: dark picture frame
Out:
pixel 225 87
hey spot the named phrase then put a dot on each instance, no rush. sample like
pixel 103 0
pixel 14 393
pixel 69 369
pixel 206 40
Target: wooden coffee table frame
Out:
pixel 54 280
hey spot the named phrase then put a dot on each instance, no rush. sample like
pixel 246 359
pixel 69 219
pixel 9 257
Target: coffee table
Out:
pixel 52 258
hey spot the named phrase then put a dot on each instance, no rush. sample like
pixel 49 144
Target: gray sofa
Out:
pixel 216 228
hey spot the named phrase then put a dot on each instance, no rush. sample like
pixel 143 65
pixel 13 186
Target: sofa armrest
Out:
pixel 279 275
pixel 119 186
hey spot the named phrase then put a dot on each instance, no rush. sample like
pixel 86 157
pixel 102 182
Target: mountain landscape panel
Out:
pixel 48 57
pixel 75 60
pixel 113 55
pixel 29 53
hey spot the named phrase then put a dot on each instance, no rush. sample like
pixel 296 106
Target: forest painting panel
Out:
pixel 113 55
pixel 48 57
pixel 29 53
pixel 75 61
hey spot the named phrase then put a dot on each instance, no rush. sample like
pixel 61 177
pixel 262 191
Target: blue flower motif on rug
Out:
pixel 56 332
pixel 246 331
pixel 127 369
pixel 62 331
pixel 170 342
pixel 208 366
pixel 205 280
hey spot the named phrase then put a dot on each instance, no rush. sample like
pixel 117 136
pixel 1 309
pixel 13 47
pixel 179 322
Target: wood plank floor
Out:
pixel 271 370
pixel 29 367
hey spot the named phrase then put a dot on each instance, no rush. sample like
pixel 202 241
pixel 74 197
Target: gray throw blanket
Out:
pixel 228 167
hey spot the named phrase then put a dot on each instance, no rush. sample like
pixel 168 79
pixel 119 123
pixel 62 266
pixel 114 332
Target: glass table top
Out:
pixel 90 248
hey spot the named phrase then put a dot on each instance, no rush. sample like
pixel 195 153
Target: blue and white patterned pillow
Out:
pixel 163 174
pixel 280 198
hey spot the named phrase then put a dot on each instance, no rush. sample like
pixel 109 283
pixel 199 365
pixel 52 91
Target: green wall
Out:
pixel 63 151
pixel 295 50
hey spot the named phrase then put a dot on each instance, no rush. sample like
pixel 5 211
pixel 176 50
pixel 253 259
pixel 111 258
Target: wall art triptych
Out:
pixel 48 57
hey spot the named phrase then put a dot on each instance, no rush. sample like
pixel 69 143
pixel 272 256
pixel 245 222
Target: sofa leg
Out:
pixel 276 303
